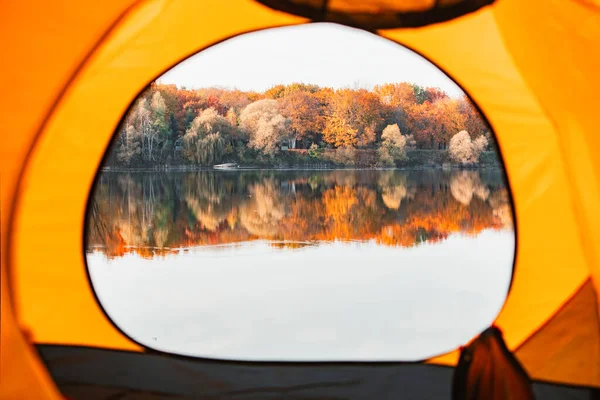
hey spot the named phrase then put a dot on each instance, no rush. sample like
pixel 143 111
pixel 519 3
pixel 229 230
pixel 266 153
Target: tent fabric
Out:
pixel 567 344
pixel 88 373
pixel 64 36
pixel 379 14
pixel 70 73
pixel 563 77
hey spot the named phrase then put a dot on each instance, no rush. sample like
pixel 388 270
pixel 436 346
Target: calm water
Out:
pixel 302 265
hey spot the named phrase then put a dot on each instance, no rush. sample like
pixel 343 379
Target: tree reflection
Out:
pixel 155 214
pixel 261 214
pixel 465 184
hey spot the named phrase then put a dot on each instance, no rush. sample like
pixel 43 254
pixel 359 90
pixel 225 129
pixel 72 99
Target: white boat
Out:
pixel 225 166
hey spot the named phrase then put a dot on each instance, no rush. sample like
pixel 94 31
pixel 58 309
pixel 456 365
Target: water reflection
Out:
pixel 304 265
pixel 155 214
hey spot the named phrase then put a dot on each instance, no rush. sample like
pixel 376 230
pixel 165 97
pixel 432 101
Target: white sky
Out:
pixel 323 54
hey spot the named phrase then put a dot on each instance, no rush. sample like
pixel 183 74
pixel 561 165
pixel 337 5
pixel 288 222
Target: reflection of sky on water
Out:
pixel 335 301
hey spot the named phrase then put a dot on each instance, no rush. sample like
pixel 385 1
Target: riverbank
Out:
pixel 441 158
pixel 331 159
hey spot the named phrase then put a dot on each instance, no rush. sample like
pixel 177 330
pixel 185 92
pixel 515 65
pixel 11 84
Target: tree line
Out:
pixel 175 126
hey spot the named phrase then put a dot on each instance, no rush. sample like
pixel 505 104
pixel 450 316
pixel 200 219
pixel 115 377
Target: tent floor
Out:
pixel 99 374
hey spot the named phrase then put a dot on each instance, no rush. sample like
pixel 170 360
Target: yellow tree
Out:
pixel 395 94
pixel 446 120
pixel 474 122
pixel 353 118
pixel 367 118
pixel 305 113
pixel 339 132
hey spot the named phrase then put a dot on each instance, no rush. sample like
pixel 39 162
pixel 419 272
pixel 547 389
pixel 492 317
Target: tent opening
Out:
pixel 308 193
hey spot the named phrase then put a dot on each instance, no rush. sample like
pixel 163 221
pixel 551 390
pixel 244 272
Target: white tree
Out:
pixel 479 145
pixel 158 103
pixel 465 151
pixel 270 132
pixel 157 124
pixel 142 119
pixel 392 146
pixel 151 124
pixel 254 112
pixel 210 121
pixel 130 145
pixel 265 126
pixel 411 143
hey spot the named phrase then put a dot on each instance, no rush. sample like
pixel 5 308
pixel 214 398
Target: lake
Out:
pixel 344 265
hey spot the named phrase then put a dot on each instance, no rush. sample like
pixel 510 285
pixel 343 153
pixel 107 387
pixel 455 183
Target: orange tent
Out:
pixel 530 66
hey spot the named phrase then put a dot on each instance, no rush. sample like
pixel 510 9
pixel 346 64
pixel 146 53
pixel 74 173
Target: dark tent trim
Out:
pixel 93 373
pixel 385 20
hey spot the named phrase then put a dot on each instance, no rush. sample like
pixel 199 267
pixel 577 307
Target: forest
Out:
pixel 295 125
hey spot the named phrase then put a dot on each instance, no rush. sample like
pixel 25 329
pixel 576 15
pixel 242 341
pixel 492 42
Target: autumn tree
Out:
pixel 235 99
pixel 205 140
pixel 269 134
pixel 305 114
pixel 479 145
pixel 151 123
pixel 445 119
pixel 339 132
pixel 281 91
pixel 418 122
pixel 367 116
pixel 161 127
pixel 232 119
pixel 395 94
pixel 352 118
pixel 474 123
pixel 395 98
pixel 392 146
pixel 411 143
pixel 265 126
pixel 211 98
pixel 433 94
pixel 465 151
pixel 433 123
pixel 128 149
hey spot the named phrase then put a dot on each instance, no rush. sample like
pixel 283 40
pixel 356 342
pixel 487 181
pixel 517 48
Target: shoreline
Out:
pixel 363 160
pixel 300 168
